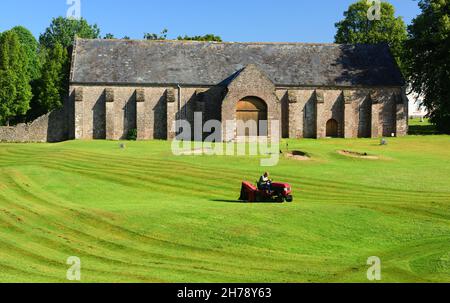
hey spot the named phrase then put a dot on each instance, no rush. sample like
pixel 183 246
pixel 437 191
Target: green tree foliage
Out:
pixel 15 89
pixel 63 31
pixel 53 87
pixel 153 36
pixel 55 43
pixel 207 37
pixel 31 47
pixel 428 59
pixel 33 62
pixel 163 36
pixel 109 37
pixel 357 28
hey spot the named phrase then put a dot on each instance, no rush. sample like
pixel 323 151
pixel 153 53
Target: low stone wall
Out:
pixel 51 127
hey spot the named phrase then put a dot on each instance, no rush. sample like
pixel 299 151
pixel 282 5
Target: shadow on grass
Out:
pixel 422 130
pixel 242 202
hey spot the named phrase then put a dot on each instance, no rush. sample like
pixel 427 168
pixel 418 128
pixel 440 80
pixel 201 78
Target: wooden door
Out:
pixel 332 128
pixel 246 116
pixel 252 109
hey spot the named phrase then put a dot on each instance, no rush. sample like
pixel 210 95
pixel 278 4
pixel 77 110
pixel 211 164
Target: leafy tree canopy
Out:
pixel 15 89
pixel 63 31
pixel 428 59
pixel 53 86
pixel 207 37
pixel 357 28
pixel 153 36
pixel 31 47
pixel 109 37
pixel 163 36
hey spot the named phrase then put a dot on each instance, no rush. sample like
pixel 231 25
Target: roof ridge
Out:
pixel 214 42
pixel 177 61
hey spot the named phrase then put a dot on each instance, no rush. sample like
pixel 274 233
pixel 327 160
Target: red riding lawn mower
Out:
pixel 279 192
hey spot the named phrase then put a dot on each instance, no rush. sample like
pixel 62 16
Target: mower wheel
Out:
pixel 289 199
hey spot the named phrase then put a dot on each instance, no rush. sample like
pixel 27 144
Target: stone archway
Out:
pixel 252 83
pixel 332 128
pixel 253 109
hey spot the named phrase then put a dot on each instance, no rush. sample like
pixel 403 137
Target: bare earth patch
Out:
pixel 298 155
pixel 359 155
pixel 195 152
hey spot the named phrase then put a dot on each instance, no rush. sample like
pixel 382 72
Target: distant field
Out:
pixel 141 214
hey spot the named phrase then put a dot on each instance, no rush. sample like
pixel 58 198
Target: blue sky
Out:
pixel 233 20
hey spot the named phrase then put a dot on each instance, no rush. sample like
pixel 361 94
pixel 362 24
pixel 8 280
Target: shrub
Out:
pixel 132 135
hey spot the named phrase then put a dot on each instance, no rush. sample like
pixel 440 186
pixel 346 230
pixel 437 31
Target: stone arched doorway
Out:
pixel 252 110
pixel 332 128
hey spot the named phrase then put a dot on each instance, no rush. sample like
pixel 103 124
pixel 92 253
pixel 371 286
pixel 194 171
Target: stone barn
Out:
pixel 314 90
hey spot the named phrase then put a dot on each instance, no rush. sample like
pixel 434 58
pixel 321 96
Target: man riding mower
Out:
pixel 266 191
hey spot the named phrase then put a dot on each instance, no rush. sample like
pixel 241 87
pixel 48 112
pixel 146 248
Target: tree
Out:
pixel 55 43
pixel 15 89
pixel 33 63
pixel 357 28
pixel 207 37
pixel 153 36
pixel 109 37
pixel 53 86
pixel 428 59
pixel 31 47
pixel 63 31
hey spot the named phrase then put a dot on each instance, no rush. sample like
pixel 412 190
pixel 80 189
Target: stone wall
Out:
pixel 250 82
pixel 51 127
pixel 304 112
pixel 107 112
pixel 110 112
pixel 184 102
pixel 359 112
pixel 299 113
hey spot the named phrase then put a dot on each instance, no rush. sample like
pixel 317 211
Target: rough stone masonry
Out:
pixel 315 90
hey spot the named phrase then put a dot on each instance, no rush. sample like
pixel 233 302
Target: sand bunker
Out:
pixel 357 155
pixel 298 155
pixel 196 152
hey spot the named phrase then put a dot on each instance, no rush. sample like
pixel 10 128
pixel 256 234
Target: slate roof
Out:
pixel 211 63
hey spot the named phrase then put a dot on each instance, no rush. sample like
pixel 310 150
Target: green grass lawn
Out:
pixel 416 127
pixel 141 214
